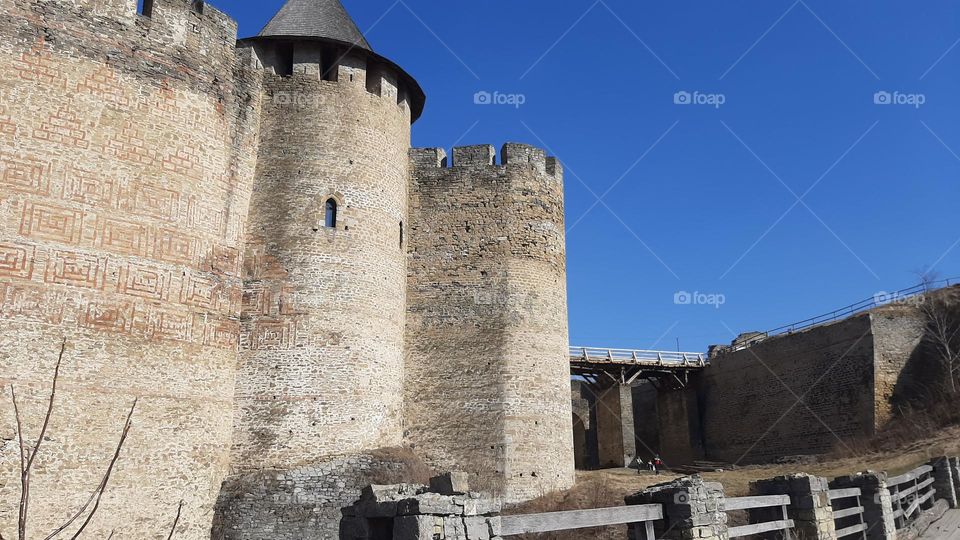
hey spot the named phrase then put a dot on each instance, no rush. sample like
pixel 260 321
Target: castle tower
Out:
pixel 125 176
pixel 321 350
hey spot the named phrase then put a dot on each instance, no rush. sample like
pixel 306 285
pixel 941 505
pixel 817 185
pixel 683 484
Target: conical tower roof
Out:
pixel 315 19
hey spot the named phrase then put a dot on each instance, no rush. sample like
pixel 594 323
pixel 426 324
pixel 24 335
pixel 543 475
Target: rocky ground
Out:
pixel 597 489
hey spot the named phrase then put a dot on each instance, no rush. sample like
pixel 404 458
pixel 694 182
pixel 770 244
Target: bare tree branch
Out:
pixel 27 458
pixel 24 481
pixel 175 521
pixel 106 476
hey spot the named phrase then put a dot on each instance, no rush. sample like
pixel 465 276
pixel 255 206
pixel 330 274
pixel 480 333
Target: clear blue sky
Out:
pixel 695 197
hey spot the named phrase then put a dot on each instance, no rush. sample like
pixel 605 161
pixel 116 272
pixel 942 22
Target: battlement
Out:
pixel 335 64
pixel 166 39
pixel 485 155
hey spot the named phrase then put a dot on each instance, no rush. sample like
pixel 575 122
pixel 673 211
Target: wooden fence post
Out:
pixel 692 508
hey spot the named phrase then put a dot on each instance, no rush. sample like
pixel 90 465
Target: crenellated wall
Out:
pixel 125 176
pixel 487 363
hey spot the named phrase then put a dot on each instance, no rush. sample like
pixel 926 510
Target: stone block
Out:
pixel 451 483
pixel 454 528
pixel 477 528
pixel 429 503
pixel 418 528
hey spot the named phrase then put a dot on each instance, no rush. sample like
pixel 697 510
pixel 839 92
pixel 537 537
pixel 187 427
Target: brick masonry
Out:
pixel 125 178
pixel 831 367
pixel 487 297
pixel 162 199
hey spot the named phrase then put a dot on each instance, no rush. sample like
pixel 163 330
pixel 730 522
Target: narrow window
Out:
pixel 401 235
pixel 330 217
pixel 285 59
pixel 145 8
pixel 197 6
pixel 374 79
pixel 330 64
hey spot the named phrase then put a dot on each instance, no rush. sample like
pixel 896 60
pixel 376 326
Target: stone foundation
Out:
pixel 297 504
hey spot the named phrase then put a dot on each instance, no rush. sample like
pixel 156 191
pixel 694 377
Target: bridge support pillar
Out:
pixel 876 502
pixel 616 441
pixel 810 507
pixel 678 420
pixel 943 479
pixel 692 508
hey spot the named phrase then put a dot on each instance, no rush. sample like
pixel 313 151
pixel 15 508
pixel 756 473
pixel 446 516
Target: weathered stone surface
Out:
pixel 877 505
pixel 451 483
pixel 418 528
pixel 489 260
pixel 163 196
pixel 692 509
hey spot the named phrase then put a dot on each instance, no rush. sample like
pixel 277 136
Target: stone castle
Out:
pixel 239 234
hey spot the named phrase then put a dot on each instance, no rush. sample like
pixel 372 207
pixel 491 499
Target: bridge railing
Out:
pixel 636 356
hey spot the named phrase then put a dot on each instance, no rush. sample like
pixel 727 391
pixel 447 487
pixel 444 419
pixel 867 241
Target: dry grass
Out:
pixel 607 488
pixel 402 466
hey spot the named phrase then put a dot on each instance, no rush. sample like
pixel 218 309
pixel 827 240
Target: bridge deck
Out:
pixel 947 528
pixel 628 357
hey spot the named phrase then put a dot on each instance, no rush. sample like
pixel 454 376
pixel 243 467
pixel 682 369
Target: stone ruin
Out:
pixel 444 510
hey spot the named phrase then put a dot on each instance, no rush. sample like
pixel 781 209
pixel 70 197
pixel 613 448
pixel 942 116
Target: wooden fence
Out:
pixel 583 519
pixel 910 493
pixel 754 503
pixel 848 513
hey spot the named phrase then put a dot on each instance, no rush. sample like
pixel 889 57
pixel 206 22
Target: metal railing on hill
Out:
pixel 877 300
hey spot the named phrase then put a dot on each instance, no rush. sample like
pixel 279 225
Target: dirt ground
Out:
pixel 607 488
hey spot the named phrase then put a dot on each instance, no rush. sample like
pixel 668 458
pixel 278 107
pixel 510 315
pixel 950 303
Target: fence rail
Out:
pixel 848 513
pixel 599 355
pixel 753 503
pixel 910 493
pixel 583 519
pixel 880 299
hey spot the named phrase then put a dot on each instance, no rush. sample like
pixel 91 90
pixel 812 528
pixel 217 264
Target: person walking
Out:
pixel 657 465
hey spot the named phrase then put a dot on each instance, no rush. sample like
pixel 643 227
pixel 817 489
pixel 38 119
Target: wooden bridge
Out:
pixel 624 366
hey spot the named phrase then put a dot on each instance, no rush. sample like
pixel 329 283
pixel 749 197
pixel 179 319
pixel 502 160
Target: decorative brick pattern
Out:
pixel 114 236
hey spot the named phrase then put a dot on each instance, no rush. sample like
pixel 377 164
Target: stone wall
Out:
pixel 275 504
pixel 321 363
pixel 125 175
pixel 897 333
pixel 487 355
pixel 749 398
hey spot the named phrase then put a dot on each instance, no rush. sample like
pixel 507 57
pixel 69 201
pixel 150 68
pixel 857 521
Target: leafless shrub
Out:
pixel 585 495
pixel 407 467
pixel 28 457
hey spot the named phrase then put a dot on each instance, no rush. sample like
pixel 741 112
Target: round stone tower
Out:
pixel 321 361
